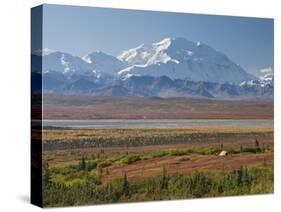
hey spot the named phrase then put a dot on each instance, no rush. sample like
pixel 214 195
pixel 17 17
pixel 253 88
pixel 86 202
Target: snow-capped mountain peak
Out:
pixel 104 63
pixel 179 58
pixel 146 55
pixel 265 80
pixel 163 44
pixel 64 63
pixel 129 55
pixel 267 77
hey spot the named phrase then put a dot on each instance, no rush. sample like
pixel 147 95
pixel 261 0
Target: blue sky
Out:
pixel 81 30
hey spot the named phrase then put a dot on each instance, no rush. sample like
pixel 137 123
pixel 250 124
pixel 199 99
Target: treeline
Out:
pixel 153 139
pixel 87 188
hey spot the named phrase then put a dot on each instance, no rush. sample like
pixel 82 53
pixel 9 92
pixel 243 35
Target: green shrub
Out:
pixel 90 165
pixel 104 164
pixel 130 158
pixel 158 154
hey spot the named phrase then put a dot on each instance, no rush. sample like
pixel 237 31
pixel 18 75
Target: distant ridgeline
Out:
pixel 169 68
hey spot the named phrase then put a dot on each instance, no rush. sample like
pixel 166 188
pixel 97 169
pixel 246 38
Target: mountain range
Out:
pixel 172 67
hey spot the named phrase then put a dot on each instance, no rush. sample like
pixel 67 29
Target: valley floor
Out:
pixel 137 164
pixel 63 107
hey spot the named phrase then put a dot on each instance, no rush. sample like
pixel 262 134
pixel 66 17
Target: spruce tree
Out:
pixel 82 164
pixel 125 185
pixel 241 148
pixel 164 183
pixel 257 146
